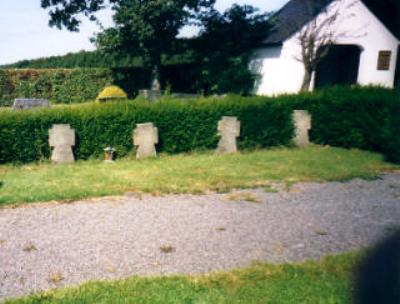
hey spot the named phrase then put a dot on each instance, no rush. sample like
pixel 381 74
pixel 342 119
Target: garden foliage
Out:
pixel 112 92
pixel 183 126
pixel 56 85
pixel 79 85
pixel 365 118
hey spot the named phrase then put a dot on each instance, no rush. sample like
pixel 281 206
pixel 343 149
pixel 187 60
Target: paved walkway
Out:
pixel 44 246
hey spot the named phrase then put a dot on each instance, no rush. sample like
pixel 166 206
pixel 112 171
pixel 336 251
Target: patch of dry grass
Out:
pixel 167 249
pixel 243 197
pixel 29 247
pixel 55 277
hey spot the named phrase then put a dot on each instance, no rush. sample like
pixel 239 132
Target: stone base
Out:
pixel 146 152
pixel 151 95
pixel 29 103
pixel 62 156
pixel 225 147
pixel 184 96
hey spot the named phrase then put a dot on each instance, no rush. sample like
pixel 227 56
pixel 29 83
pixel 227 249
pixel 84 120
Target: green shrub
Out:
pixel 58 85
pixel 79 85
pixel 352 118
pixel 365 118
pixel 183 126
pixel 391 136
pixel 359 117
pixel 112 92
pixel 83 84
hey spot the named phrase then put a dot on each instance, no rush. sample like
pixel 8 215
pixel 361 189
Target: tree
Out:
pixel 317 36
pixel 147 28
pixel 224 45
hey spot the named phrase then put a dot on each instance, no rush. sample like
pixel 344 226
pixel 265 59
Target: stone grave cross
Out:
pixel 302 123
pixel 229 130
pixel 145 136
pixel 61 139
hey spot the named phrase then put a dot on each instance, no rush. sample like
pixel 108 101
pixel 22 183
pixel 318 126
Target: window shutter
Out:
pixel 384 60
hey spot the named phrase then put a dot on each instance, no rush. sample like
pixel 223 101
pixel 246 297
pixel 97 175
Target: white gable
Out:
pixel 356 25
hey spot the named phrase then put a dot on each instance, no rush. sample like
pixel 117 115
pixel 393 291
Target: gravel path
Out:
pixel 44 246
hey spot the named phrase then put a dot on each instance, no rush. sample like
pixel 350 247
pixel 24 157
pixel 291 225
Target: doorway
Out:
pixel 339 67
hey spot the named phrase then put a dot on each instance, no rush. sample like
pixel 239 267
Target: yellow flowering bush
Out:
pixel 111 92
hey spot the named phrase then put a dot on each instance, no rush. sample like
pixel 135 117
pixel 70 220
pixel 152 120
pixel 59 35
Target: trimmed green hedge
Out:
pixel 183 126
pixel 365 118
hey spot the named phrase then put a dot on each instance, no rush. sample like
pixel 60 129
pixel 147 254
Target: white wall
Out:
pixel 279 74
pixel 283 73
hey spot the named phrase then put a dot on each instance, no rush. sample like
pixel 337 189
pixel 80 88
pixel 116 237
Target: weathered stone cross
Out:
pixel 302 123
pixel 145 136
pixel 62 138
pixel 229 130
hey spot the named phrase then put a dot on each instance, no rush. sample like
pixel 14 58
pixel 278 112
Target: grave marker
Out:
pixel 62 138
pixel 145 136
pixel 229 130
pixel 302 123
pixel 29 103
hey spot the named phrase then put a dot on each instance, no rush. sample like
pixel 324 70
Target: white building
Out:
pixel 364 52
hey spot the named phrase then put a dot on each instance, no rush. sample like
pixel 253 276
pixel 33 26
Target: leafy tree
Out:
pixel 146 28
pixel 224 48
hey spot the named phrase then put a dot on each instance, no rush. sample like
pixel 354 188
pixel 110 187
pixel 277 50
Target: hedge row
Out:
pixel 183 126
pixel 361 118
pixel 59 86
pixel 83 84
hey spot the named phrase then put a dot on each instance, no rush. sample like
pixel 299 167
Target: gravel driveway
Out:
pixel 44 246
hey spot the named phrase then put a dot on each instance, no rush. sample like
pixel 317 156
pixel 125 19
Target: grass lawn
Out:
pixel 190 173
pixel 328 281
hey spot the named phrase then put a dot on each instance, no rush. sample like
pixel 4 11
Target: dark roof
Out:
pixel 293 16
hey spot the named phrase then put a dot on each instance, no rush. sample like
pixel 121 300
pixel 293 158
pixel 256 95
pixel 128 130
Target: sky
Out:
pixel 25 34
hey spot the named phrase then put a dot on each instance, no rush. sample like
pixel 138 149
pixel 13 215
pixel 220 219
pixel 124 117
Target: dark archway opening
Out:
pixel 339 67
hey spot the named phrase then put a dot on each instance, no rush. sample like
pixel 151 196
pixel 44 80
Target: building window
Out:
pixel 384 60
